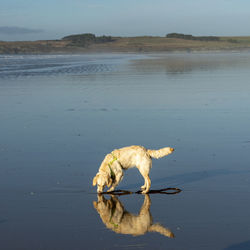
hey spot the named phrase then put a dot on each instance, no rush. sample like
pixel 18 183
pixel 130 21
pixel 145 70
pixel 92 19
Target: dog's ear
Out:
pixel 109 181
pixel 94 180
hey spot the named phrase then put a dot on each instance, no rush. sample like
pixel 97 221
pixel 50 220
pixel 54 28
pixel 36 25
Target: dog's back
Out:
pixel 137 155
pixel 132 156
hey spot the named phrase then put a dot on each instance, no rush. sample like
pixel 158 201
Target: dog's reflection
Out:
pixel 116 218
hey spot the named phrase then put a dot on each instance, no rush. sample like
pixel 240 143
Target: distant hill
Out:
pixel 86 39
pixel 88 43
pixel 191 37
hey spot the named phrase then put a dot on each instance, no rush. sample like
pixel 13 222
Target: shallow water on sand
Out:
pixel 60 115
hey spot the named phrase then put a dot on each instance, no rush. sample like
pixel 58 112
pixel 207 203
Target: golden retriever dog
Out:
pixel 111 170
pixel 116 218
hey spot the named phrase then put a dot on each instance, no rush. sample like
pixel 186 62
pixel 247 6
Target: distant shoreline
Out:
pixel 88 43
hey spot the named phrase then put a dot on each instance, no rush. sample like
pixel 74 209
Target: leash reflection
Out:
pixel 118 219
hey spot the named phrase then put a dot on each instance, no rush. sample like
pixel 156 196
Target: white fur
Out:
pixel 111 170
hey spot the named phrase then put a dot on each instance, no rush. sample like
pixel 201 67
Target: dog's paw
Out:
pixel 145 191
pixel 143 187
pixel 111 189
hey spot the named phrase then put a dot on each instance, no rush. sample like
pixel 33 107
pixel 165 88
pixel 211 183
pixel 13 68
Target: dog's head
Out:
pixel 102 180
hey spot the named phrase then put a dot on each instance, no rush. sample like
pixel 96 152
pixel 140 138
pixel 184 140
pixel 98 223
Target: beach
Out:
pixel 61 114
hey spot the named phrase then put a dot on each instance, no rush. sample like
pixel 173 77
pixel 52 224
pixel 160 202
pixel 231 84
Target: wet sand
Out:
pixel 60 115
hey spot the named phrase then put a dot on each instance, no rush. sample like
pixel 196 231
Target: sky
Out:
pixel 54 19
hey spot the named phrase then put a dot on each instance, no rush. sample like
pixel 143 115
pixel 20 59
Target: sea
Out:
pixel 61 114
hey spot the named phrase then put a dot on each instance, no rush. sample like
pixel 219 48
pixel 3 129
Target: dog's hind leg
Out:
pixel 146 205
pixel 144 186
pixel 147 182
pixel 144 169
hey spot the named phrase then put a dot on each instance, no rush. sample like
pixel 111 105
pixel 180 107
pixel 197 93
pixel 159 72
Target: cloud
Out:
pixel 13 30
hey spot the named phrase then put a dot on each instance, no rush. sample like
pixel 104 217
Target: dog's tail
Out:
pixel 160 152
pixel 160 229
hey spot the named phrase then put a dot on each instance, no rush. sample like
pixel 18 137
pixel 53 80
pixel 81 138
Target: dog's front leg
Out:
pixel 118 176
pixel 112 188
pixel 117 180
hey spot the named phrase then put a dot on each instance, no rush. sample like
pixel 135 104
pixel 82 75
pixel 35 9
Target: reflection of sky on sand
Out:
pixel 179 63
pixel 241 246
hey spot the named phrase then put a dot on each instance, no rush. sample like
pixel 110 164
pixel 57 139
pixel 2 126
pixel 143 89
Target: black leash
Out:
pixel 156 191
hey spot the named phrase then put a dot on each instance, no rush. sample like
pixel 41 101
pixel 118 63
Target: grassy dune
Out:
pixel 125 44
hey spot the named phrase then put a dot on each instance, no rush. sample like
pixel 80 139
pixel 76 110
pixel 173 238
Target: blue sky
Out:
pixel 53 19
